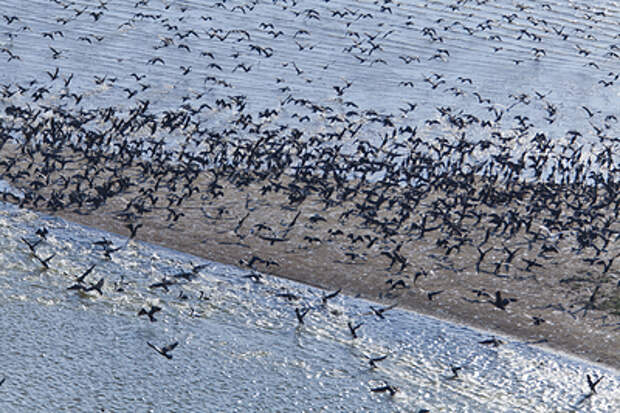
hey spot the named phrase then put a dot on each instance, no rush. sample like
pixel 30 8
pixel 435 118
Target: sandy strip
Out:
pixel 321 248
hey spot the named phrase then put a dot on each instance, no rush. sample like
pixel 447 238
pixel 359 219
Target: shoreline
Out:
pixel 576 337
pixel 315 253
pixel 445 246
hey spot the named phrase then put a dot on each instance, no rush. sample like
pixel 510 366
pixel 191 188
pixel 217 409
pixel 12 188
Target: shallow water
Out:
pixel 241 347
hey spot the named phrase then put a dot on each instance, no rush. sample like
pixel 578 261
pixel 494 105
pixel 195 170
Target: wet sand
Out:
pixel 232 228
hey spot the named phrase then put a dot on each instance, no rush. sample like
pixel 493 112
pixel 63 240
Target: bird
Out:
pixel 53 76
pixel 96 287
pixel 492 341
pixel 164 350
pixel 42 232
pixel 32 245
pixel 288 295
pixel 592 384
pixel 431 294
pixel 92 287
pixel 330 295
pixel 353 329
pixel 385 388
pixel 81 278
pixel 455 372
pixel 164 283
pixel 301 314
pixel 44 262
pixel 133 229
pixel 373 360
pixel 254 276
pixel 500 302
pixel 150 313
pixel 379 311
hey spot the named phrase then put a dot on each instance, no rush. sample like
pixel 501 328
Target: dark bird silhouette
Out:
pixel 42 232
pixel 96 287
pixel 150 313
pixel 433 293
pixel 93 287
pixel 374 360
pixel 492 342
pixel 254 276
pixel 330 296
pixel 81 278
pixel 164 283
pixel 301 314
pixel 133 228
pixel 10 19
pixel 386 388
pixel 379 311
pixel 588 111
pixel 53 76
pixel 56 53
pixel 400 284
pixel 606 265
pixel 154 60
pixel 288 296
pixel 593 384
pixel 455 371
pixel 164 350
pixel 32 246
pixel 45 261
pixel 353 329
pixel 500 302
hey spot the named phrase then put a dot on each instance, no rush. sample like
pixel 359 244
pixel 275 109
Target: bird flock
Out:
pixel 333 141
pixel 177 290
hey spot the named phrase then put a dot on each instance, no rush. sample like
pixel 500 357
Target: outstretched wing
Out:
pixel 170 347
pixel 153 347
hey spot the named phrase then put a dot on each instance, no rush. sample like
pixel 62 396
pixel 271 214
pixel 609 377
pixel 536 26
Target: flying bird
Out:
pixel 150 313
pixel 593 384
pixel 374 360
pixel 353 328
pixel 386 388
pixel 164 350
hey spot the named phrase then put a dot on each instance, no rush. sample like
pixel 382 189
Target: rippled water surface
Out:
pixel 315 63
pixel 552 67
pixel 240 345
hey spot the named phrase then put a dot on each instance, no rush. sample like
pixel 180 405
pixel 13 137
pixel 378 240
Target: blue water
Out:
pixel 241 347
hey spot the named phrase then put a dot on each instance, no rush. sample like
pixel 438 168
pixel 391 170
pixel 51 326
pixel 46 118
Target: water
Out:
pixel 241 347
pixel 543 62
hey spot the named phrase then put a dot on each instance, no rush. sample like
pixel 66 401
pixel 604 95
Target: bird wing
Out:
pixel 597 381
